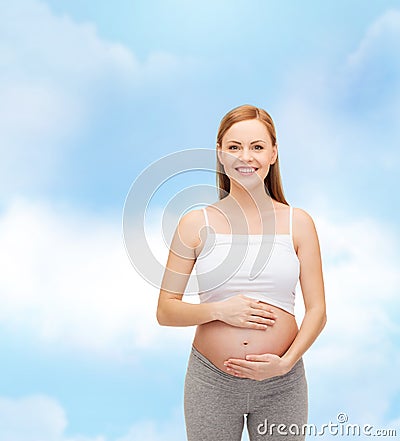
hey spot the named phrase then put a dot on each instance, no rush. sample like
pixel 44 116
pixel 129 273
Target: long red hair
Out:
pixel 272 182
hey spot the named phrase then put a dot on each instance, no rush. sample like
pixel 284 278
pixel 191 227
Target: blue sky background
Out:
pixel 94 92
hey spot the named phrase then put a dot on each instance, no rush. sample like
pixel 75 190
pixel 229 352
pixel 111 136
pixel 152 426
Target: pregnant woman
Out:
pixel 249 250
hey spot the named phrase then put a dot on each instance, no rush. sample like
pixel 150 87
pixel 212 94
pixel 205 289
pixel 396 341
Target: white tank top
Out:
pixel 263 267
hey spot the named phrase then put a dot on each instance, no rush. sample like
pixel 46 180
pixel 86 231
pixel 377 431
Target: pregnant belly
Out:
pixel 219 341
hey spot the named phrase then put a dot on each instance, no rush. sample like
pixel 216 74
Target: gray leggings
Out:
pixel 215 403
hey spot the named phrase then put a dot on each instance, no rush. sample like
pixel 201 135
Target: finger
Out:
pixel 238 374
pixel 264 307
pixel 260 313
pixel 237 371
pixel 262 320
pixel 239 363
pixel 266 314
pixel 264 311
pixel 261 357
pixel 254 325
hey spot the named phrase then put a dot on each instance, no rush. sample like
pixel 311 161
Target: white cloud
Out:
pixel 42 418
pixel 150 430
pixel 356 358
pixel 55 75
pixel 371 76
pixel 340 119
pixel 66 279
pixel 34 418
pixel 47 48
pixel 380 40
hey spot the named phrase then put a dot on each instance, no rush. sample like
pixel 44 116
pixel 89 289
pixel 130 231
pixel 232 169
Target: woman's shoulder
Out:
pixel 298 212
pixel 190 225
pixel 303 224
pixel 192 217
pixel 302 216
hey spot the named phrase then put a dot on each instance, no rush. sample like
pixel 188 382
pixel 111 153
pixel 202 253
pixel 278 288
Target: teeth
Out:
pixel 246 170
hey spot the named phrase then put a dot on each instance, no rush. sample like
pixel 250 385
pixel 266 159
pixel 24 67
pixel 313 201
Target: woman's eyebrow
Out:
pixel 253 142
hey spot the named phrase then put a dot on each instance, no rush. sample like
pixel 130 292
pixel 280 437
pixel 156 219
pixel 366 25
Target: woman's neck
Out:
pixel 250 200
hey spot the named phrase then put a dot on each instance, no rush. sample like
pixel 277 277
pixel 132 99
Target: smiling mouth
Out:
pixel 246 170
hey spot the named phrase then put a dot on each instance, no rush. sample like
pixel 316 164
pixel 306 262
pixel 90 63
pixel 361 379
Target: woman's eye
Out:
pixel 231 147
pixel 258 147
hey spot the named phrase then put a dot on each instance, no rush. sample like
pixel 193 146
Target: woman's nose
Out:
pixel 246 155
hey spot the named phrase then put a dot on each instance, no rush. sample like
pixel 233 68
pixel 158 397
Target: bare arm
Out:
pixel 312 287
pixel 172 311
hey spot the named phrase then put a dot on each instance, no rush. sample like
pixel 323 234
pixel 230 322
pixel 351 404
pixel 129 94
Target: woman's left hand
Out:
pixel 257 367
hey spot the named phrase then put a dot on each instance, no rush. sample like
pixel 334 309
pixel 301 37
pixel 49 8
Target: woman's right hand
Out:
pixel 245 312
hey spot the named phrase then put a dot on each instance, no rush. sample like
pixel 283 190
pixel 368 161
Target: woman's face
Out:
pixel 247 152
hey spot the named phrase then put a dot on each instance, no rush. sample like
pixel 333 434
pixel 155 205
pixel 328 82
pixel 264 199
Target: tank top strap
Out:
pixel 205 215
pixel 291 222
